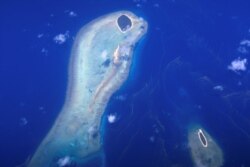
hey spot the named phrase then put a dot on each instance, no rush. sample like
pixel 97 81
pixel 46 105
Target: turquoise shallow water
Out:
pixel 180 77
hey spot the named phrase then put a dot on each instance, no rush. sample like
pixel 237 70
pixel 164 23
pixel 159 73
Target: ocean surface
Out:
pixel 191 69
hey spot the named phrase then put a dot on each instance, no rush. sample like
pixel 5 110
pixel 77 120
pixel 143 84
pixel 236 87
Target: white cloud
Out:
pixel 244 45
pixel 39 35
pixel 72 14
pixel 152 139
pixel 111 118
pixel 238 65
pixel 23 121
pixel 156 5
pixel 61 38
pixel 41 108
pixel 219 88
pixel 44 51
pixel 121 97
pixel 242 49
pixel 140 1
pixel 245 42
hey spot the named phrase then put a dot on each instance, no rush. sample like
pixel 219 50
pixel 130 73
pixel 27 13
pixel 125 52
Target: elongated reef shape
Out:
pixel 99 64
pixel 204 150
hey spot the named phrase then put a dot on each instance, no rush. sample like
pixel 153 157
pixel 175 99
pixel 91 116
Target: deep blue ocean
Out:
pixel 191 68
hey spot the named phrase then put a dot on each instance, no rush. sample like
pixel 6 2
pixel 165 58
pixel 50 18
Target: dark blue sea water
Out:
pixel 192 68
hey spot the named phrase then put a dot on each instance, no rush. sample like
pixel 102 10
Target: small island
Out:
pixel 202 138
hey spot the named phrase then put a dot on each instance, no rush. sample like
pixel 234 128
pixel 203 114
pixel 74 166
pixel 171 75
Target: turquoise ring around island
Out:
pixel 99 64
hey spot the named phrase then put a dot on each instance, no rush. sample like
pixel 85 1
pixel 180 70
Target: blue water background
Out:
pixel 186 52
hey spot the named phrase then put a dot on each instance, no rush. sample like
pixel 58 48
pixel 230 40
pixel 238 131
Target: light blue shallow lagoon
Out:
pixel 184 103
